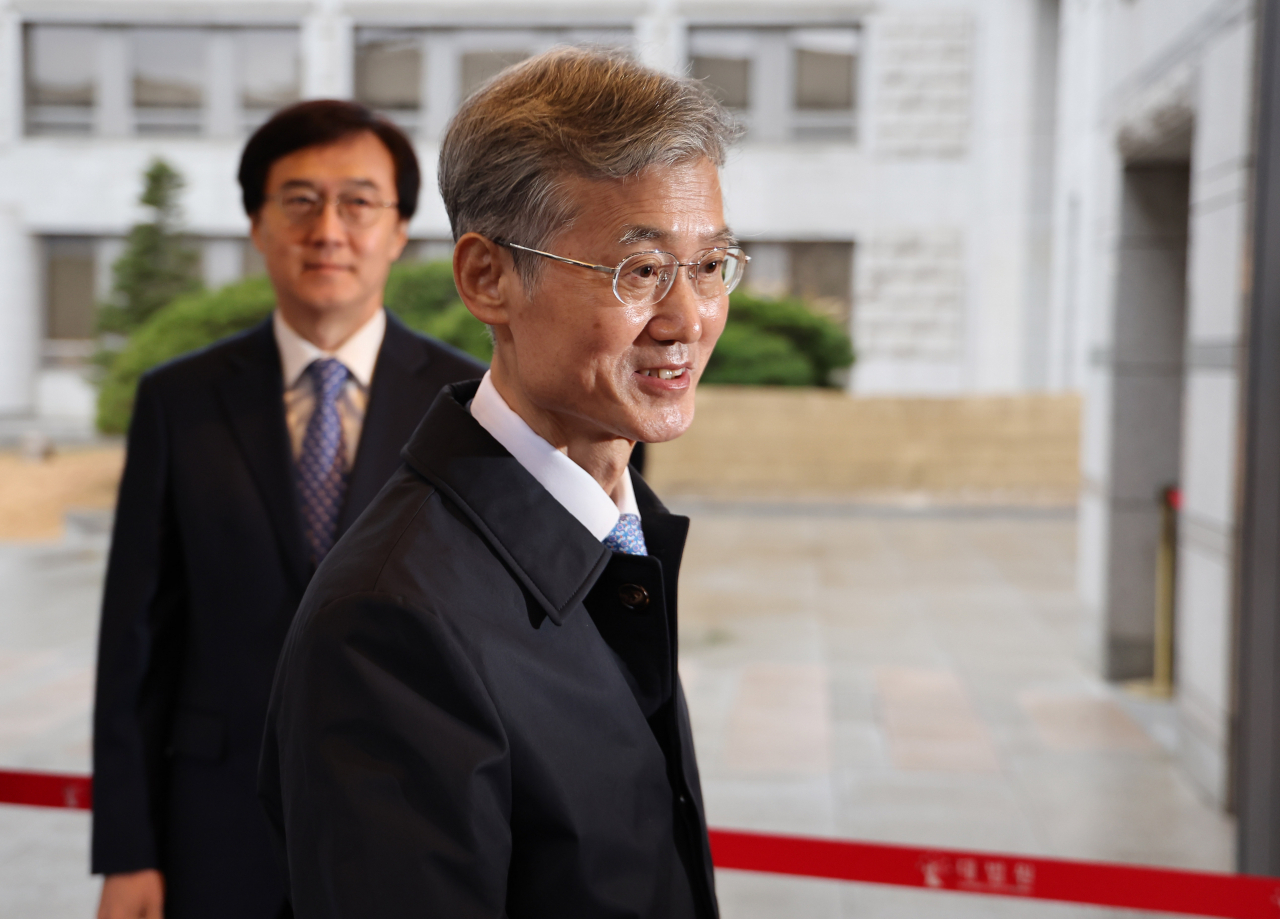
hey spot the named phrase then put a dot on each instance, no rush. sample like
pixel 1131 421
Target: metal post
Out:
pixel 1257 729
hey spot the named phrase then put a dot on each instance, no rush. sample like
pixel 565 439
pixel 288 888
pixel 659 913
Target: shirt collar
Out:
pixel 359 353
pixel 568 483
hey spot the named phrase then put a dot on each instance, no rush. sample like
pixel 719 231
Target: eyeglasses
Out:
pixel 356 210
pixel 646 277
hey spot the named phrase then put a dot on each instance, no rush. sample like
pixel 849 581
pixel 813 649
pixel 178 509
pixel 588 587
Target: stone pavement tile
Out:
pixel 1083 723
pixel 930 723
pixel 976 811
pixel 977 619
pixel 48 638
pixel 746 895
pixel 772 804
pixel 1128 807
pixel 44 864
pixel 48 635
pixel 781 721
pixel 871 901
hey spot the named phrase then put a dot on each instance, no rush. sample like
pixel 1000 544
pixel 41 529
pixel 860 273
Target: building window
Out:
pixel 784 84
pixel 728 78
pixel 156 81
pixel 419 77
pixel 169 67
pixel 819 273
pixel 479 67
pixel 70 288
pixel 61 79
pixel 269 66
pixel 389 73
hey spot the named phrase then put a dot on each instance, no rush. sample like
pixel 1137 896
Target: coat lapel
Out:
pixel 253 395
pixel 553 555
pixel 398 398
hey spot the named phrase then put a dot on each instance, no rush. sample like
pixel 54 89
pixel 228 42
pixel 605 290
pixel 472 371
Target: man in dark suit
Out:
pixel 246 461
pixel 478 712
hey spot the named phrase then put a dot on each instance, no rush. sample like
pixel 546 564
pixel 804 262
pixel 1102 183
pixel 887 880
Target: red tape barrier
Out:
pixel 1191 893
pixel 46 789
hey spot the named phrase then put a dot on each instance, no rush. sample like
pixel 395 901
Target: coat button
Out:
pixel 633 596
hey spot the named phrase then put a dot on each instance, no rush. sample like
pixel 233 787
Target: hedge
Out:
pixel 766 342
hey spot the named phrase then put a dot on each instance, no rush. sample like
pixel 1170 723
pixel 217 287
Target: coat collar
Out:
pixel 552 555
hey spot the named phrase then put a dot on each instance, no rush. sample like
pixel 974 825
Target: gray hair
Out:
pixel 568 112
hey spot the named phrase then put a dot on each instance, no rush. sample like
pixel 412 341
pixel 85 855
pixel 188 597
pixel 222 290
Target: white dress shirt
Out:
pixel 358 354
pixel 569 483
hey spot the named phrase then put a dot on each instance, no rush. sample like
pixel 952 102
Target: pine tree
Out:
pixel 157 265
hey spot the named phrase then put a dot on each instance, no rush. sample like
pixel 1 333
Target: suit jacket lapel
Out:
pixel 253 394
pixel 397 401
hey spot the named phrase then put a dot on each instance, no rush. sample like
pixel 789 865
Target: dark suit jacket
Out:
pixel 477 711
pixel 208 564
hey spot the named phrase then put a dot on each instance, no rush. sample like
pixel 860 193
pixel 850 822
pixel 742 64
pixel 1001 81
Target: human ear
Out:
pixel 401 238
pixel 483 273
pixel 255 227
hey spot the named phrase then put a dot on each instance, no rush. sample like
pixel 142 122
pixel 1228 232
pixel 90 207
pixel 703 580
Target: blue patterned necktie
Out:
pixel 626 536
pixel 322 476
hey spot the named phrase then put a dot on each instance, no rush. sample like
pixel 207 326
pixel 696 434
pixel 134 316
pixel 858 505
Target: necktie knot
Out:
pixel 627 536
pixel 329 375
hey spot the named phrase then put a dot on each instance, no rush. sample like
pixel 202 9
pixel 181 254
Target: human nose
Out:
pixel 678 316
pixel 327 226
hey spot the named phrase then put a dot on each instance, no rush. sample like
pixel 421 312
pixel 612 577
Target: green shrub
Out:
pixel 766 342
pixel 421 294
pixel 777 343
pixel 188 323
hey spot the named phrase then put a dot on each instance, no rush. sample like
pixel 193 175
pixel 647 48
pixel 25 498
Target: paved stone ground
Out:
pixel 917 677
pixel 920 678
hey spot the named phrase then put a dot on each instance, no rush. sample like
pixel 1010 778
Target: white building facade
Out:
pixel 1152 266
pixel 896 171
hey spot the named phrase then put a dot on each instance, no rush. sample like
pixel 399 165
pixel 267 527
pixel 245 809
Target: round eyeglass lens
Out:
pixel 719 271
pixel 644 278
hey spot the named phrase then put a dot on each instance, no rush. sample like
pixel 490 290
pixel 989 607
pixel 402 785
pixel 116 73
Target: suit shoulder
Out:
pixel 442 358
pixel 211 360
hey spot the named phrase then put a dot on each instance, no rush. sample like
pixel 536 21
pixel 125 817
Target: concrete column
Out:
pixel 21 329
pixel 113 114
pixel 11 90
pixel 327 39
pixel 661 38
pixel 1211 457
pixel 772 88
pixel 221 86
pixel 441 84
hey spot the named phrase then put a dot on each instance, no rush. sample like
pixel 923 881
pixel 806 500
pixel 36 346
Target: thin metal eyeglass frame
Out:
pixel 616 270
pixel 324 203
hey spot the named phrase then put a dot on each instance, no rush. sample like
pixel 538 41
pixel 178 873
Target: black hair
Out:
pixel 315 124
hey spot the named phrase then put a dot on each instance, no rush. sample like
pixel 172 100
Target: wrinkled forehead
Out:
pixel 659 207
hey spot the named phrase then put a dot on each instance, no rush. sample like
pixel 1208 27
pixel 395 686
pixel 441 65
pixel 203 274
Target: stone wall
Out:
pixel 795 443
pixel 911 291
pixel 925 84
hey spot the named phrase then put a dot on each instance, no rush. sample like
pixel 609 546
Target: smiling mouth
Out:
pixel 664 374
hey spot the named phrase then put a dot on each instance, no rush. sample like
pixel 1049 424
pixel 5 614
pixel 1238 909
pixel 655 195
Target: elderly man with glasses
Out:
pixel 478 711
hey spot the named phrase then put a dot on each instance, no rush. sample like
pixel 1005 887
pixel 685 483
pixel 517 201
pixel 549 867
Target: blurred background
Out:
pixel 967 477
